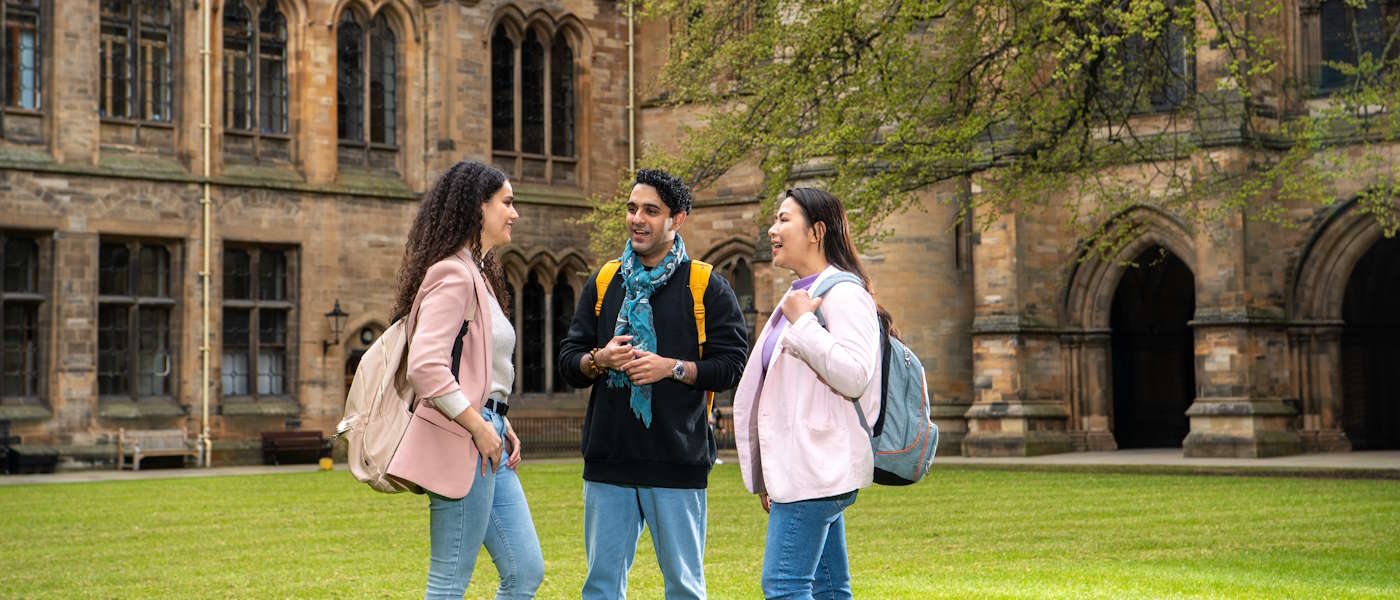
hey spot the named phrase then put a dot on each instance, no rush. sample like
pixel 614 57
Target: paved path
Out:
pixel 1339 464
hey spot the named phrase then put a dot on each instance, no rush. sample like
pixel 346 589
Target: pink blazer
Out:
pixel 453 291
pixel 797 433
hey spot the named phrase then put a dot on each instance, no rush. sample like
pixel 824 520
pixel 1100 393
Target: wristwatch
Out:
pixel 678 371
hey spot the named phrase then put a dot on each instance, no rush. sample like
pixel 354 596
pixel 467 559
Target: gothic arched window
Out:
pixel 531 371
pixel 134 59
pixel 562 311
pixel 739 274
pixel 255 81
pixel 367 90
pixel 534 83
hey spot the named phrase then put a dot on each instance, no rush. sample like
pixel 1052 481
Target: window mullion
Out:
pixel 133 350
pixel 254 316
pixel 516 106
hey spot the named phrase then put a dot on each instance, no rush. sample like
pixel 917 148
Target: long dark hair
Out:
pixel 450 217
pixel 819 206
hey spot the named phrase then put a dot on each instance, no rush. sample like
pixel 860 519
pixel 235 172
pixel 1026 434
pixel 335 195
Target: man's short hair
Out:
pixel 672 191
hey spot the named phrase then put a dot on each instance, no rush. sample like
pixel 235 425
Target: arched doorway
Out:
pixel 1371 349
pixel 1152 356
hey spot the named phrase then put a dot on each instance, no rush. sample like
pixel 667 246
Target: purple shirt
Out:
pixel 771 341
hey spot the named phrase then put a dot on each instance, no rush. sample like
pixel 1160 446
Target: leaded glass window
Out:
pixel 22 58
pixel 135 356
pixel 135 60
pixel 259 309
pixel 534 108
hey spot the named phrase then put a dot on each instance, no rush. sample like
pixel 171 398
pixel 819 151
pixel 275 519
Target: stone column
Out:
pixel 1016 410
pixel 317 139
pixel 1242 370
pixel 74 397
pixel 71 84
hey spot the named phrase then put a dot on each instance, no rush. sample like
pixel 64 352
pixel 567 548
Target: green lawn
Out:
pixel 964 533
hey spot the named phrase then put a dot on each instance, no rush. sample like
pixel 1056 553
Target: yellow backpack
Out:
pixel 699 280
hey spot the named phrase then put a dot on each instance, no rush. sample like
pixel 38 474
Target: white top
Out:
pixel 503 349
pixel 502 368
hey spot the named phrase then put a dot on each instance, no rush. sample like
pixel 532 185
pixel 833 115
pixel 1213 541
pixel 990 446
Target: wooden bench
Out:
pixel 293 447
pixel 145 443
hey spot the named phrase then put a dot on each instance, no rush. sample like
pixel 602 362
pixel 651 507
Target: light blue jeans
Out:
pixel 493 513
pixel 613 516
pixel 805 555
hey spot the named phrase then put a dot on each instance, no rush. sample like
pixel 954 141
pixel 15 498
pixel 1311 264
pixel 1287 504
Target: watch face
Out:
pixel 678 371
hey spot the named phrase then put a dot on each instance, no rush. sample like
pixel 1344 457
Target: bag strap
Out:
pixel 605 276
pixel 825 286
pixel 699 280
pixel 820 290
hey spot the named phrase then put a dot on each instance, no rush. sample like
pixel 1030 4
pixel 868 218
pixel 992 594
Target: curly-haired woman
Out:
pixel 447 261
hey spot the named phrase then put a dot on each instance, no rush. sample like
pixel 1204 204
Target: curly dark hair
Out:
pixel 672 191
pixel 450 217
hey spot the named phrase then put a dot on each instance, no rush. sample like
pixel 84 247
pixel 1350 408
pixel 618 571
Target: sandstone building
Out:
pixel 328 119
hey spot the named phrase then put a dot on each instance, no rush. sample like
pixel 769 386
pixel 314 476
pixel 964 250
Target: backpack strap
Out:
pixel 825 286
pixel 604 278
pixel 699 280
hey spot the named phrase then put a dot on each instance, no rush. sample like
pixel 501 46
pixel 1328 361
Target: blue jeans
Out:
pixel 493 513
pixel 613 516
pixel 805 555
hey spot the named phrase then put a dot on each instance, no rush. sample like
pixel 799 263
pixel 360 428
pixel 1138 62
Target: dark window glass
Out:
pixel 134 319
pixel 22 58
pixel 1347 33
pixel 272 353
pixel 117 67
pixel 272 275
pixel 152 274
pixel 113 334
pixel 532 95
pixel 237 277
pixel 154 70
pixel 21 259
pixel 258 323
pixel 20 350
pixel 350 117
pixel 561 112
pixel 135 62
pixel 153 350
pixel 502 90
pixel 562 305
pixel 532 332
pixel 383 71
pixel 238 66
pixel 272 70
pixel 234 369
pixel 114 270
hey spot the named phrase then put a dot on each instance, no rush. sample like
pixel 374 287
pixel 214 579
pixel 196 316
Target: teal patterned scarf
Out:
pixel 634 318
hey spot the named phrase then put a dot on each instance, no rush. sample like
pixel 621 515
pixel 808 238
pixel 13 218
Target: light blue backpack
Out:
pixel 904 437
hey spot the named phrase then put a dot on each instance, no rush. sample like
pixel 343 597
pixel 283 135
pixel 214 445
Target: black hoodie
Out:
pixel 679 448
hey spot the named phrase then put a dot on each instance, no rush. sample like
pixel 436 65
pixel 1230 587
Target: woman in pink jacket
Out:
pixel 448 259
pixel 802 446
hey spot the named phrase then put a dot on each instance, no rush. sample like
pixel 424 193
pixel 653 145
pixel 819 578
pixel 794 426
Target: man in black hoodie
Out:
pixel 647 446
